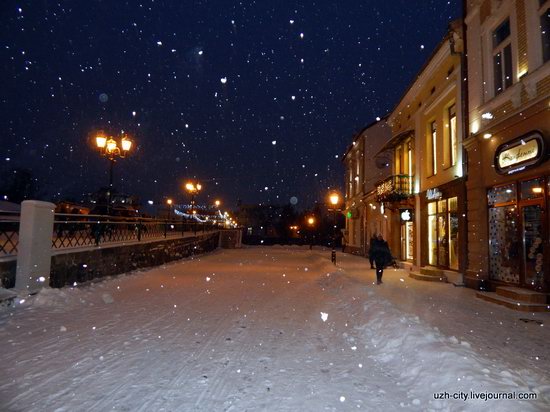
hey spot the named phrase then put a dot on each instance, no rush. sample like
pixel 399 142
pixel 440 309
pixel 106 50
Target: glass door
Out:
pixel 533 235
pixel 442 235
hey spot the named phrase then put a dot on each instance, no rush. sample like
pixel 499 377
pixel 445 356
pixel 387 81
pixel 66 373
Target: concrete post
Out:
pixel 35 246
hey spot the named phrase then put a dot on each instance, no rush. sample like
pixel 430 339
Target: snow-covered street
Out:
pixel 269 329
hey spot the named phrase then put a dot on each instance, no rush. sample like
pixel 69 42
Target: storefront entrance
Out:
pixel 443 233
pixel 517 230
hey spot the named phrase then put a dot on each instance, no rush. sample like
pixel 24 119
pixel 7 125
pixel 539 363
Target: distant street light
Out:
pixel 193 189
pixel 169 202
pixel 334 199
pixel 109 148
pixel 311 225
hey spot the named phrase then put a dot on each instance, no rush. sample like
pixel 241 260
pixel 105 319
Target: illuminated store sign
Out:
pixel 525 151
pixel 433 194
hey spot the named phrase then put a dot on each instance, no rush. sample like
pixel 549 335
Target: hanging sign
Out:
pixel 406 215
pixel 525 151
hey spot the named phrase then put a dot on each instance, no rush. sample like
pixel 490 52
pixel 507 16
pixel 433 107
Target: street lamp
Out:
pixel 217 203
pixel 112 149
pixel 169 202
pixel 311 225
pixel 193 189
pixel 334 199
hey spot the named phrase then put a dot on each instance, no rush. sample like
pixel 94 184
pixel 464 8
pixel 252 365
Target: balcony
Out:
pixel 394 189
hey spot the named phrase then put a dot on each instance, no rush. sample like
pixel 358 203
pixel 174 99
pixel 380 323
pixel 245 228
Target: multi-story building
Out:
pixel 508 188
pixel 363 171
pixel 427 188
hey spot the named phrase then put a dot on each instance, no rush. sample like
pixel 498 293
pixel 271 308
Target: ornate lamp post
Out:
pixel 112 149
pixel 334 200
pixel 193 189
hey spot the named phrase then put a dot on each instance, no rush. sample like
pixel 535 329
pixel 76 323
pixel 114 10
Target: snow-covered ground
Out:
pixel 268 329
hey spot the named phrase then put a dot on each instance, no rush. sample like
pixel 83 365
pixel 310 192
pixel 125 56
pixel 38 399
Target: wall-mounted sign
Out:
pixel 433 194
pixel 525 151
pixel 406 215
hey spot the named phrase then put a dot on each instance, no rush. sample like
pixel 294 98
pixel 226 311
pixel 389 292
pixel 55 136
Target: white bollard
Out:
pixel 34 252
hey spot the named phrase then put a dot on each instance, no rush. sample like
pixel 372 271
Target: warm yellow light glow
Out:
pixel 334 198
pixel 111 146
pixel 126 144
pixel 190 186
pixel 311 221
pixel 537 190
pixel 487 135
pixel 217 203
pixel 100 141
pixel 199 186
pixel 169 201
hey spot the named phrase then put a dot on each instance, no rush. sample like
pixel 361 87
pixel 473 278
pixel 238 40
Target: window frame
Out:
pixel 501 49
pixel 432 132
pixel 452 135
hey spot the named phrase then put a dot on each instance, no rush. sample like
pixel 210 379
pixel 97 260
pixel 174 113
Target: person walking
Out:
pixel 381 256
pixel 373 240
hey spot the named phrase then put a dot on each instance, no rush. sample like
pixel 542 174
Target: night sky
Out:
pixel 258 100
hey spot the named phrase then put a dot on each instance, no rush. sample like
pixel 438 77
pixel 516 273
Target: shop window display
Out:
pixel 505 244
pixel 502 194
pixel 532 189
pixel 532 232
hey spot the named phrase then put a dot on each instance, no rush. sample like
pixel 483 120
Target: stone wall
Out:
pixel 68 268
pixel 231 238
pixel 7 272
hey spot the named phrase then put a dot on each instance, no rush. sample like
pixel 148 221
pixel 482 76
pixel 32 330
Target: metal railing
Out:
pixel 75 230
pixel 71 231
pixel 394 188
pixel 9 233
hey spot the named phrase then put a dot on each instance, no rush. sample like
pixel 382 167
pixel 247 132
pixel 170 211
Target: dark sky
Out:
pixel 242 95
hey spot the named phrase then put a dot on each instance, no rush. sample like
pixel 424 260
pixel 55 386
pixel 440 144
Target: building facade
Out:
pixel 508 188
pixel 364 218
pixel 427 189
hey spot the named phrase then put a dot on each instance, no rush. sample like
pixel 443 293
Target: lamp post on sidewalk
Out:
pixel 311 225
pixel 112 149
pixel 334 201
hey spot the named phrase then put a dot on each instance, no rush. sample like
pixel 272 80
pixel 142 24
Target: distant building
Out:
pixel 364 169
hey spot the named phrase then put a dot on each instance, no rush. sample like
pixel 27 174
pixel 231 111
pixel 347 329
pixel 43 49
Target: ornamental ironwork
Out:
pixel 394 189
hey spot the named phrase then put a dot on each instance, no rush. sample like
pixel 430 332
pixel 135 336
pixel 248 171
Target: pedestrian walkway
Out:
pixel 494 331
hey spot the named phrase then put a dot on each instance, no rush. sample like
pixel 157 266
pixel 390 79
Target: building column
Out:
pixel 477 270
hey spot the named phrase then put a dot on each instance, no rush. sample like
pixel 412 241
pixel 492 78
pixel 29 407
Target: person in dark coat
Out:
pixel 381 254
pixel 373 240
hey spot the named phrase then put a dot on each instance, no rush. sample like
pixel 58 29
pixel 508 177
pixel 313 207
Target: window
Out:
pixel 398 170
pixel 410 166
pixel 433 134
pixel 502 57
pixel 452 134
pixel 544 13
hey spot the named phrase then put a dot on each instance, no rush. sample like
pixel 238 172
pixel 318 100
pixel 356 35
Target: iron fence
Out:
pixel 71 231
pixel 9 233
